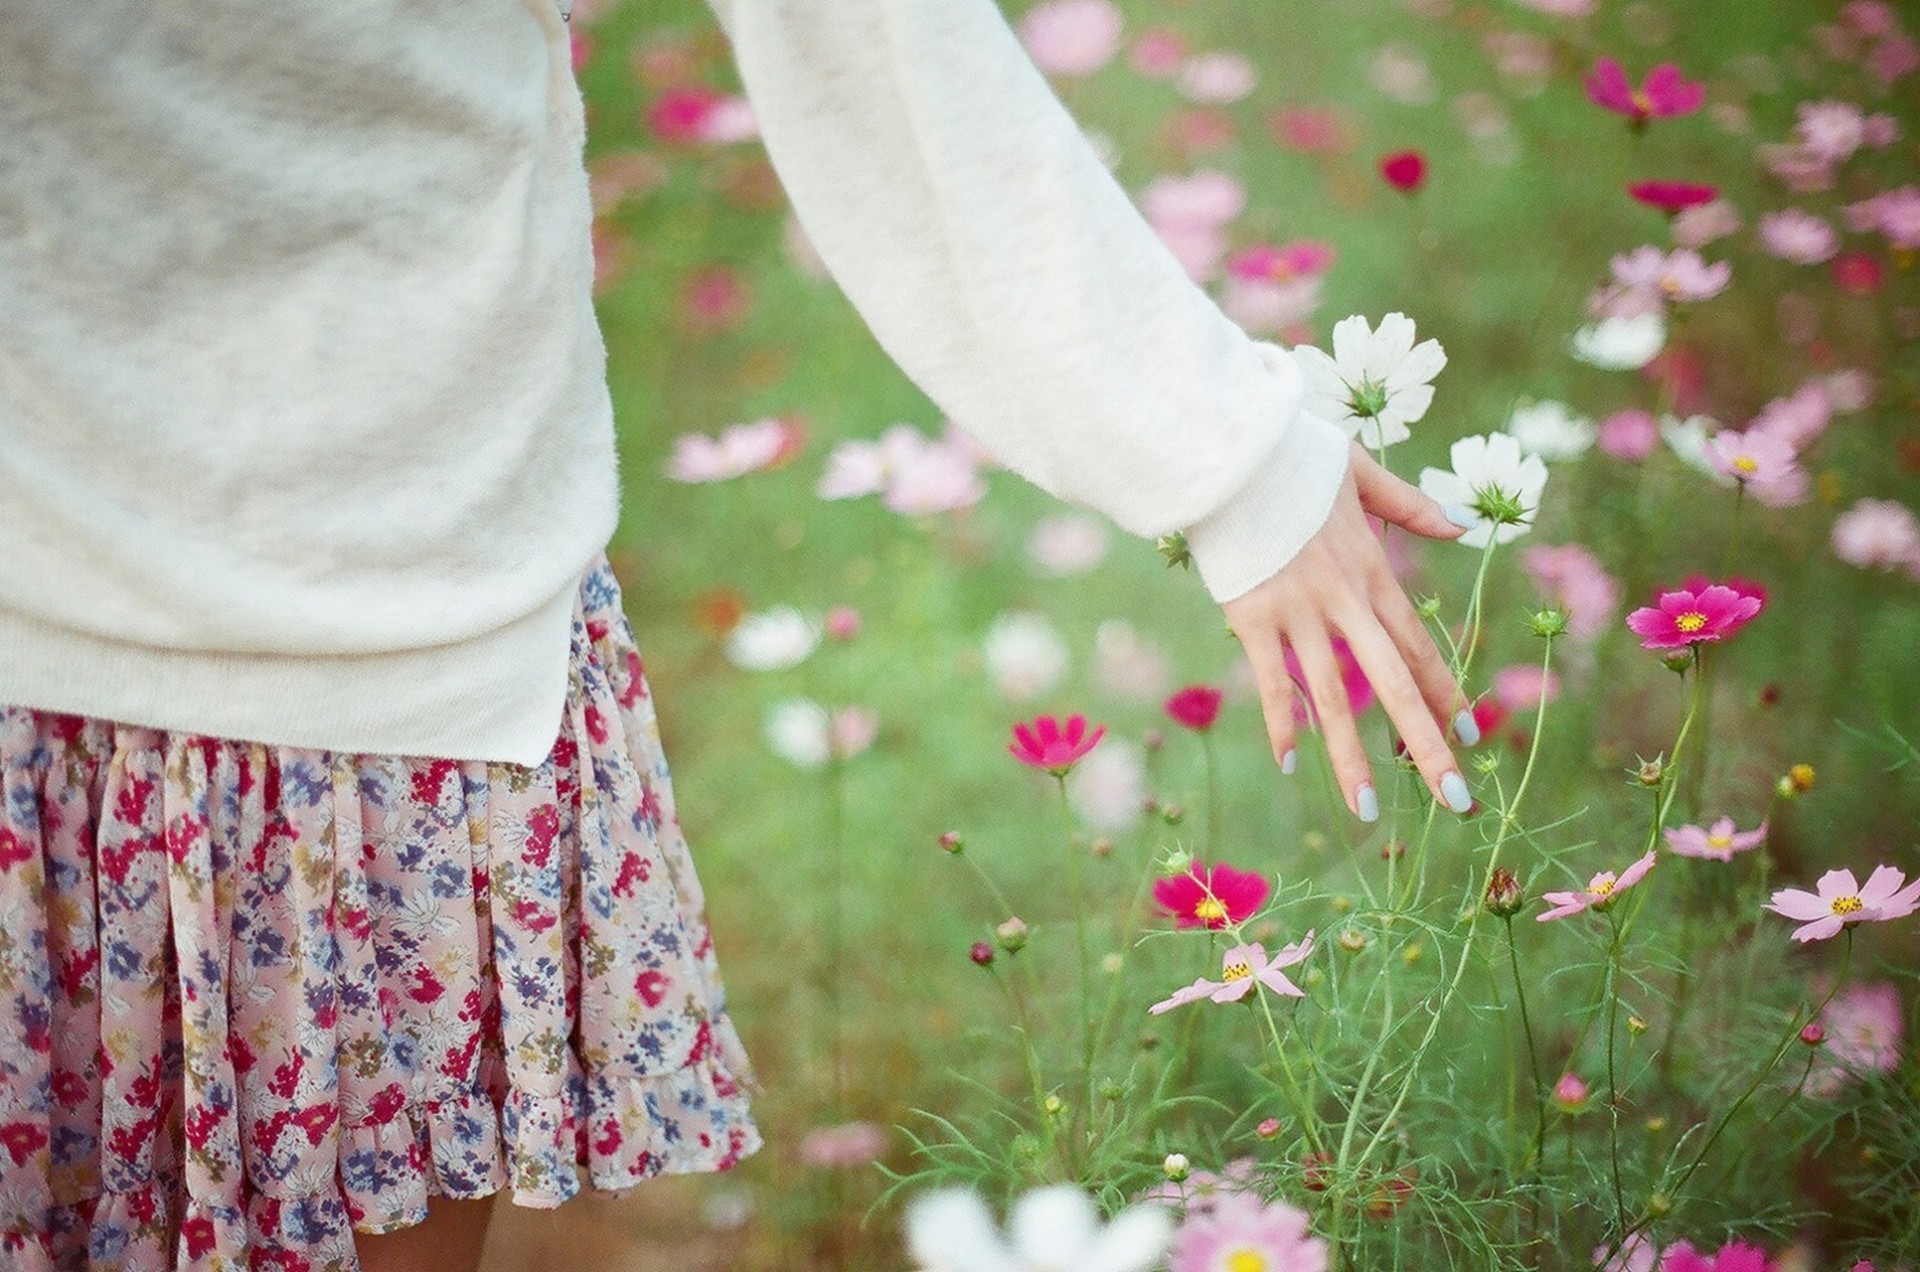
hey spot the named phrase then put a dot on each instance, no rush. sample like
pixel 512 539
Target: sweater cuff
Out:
pixel 1249 538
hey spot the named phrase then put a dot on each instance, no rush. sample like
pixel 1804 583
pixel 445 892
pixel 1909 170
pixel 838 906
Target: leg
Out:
pixel 448 1241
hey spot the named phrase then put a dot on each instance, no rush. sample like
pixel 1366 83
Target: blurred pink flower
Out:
pixel 934 478
pixel 1601 891
pixel 1797 168
pixel 1265 261
pixel 843 622
pixel 1158 52
pixel 1799 237
pixel 1359 688
pixel 1894 213
pixel 715 299
pixel 739 449
pixel 1734 1256
pixel 1664 93
pixel 1830 131
pixel 1521 56
pixel 1798 418
pixel 1843 900
pixel 1691 616
pixel 1630 435
pixel 1673 197
pixel 1217 77
pixel 1563 8
pixel 1761 459
pixel 1878 534
pixel 1872 18
pixel 1202 1192
pixel 1715 843
pixel 1190 213
pixel 1518 688
pixel 847 1145
pixel 1571 577
pixel 1264 307
pixel 1645 279
pixel 1570 1093
pixel 852 730
pixel 1405 170
pixel 1068 544
pixel 1638 1254
pixel 1309 129
pixel 1865 1029
pixel 1071 37
pixel 1848 389
pixel 1243 969
pixel 1047 743
pixel 1893 58
pixel 698 115
pixel 1274 1234
pixel 1703 223
pixel 1857 273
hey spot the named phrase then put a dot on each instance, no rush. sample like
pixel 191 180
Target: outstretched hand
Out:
pixel 1340 583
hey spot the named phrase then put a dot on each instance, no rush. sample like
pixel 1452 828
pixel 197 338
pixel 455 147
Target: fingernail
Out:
pixel 1453 789
pixel 1367 803
pixel 1466 728
pixel 1289 760
pixel 1461 516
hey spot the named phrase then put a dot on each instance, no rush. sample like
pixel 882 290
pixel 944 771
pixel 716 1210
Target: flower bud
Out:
pixel 1504 896
pixel 1012 935
pixel 1659 1204
pixel 1026 1146
pixel 1801 775
pixel 1656 1124
pixel 1174 548
pixel 1427 607
pixel 1651 773
pixel 981 954
pixel 1784 787
pixel 1268 1128
pixel 1176 1167
pixel 1547 623
pixel 1814 1034
pixel 1314 841
pixel 1112 1091
pixel 1101 848
pixel 1571 1094
pixel 1313 1172
pixel 1172 814
pixel 1412 953
pixel 1112 964
pixel 843 622
pixel 1153 739
pixel 1053 1106
pixel 1678 660
pixel 953 842
pixel 1636 1025
pixel 1177 862
pixel 1342 905
pixel 1352 941
pixel 1486 763
pixel 1393 850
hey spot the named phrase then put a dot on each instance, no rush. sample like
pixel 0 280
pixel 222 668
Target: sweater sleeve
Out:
pixel 997 261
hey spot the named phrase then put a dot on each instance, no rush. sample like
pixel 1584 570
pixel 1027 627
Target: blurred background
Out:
pixel 1253 131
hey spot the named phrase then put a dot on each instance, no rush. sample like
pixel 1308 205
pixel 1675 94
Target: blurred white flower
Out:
pixel 1550 430
pixel 1400 71
pixel 1068 543
pixel 1217 77
pixel 913 474
pixel 797 730
pixel 1688 439
pixel 1109 788
pixel 1621 344
pixel 1054 1229
pixel 1025 655
pixel 1492 481
pixel 853 730
pixel 740 448
pixel 1127 665
pixel 773 640
pixel 1376 383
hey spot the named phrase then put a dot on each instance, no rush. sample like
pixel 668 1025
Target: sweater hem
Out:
pixel 497 697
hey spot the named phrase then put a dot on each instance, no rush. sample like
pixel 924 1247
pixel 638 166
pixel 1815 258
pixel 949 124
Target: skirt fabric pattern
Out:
pixel 256 998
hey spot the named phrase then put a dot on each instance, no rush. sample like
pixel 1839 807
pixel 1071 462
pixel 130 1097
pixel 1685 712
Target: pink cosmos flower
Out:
pixel 1202 1192
pixel 1842 900
pixel 1830 131
pixel 1044 744
pixel 1521 686
pixel 1215 896
pixel 1688 617
pixel 1735 1256
pixel 1263 307
pixel 1405 170
pixel 700 116
pixel 1217 77
pixel 1190 215
pixel 1563 8
pixel 1894 213
pixel 1798 418
pixel 1673 197
pixel 1857 273
pixel 1196 707
pixel 1312 130
pixel 1629 435
pixel 1877 534
pixel 1646 278
pixel 1757 457
pixel 1717 843
pixel 1798 237
pixel 1571 577
pixel 739 449
pixel 848 1145
pixel 1865 1027
pixel 1664 93
pixel 1704 223
pixel 1158 53
pixel 1071 37
pixel 1571 1094
pixel 1243 968
pixel 1893 58
pixel 1300 258
pixel 1243 1231
pixel 1599 893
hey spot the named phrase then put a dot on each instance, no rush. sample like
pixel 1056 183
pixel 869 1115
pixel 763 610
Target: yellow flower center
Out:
pixel 1670 285
pixel 1691 621
pixel 1210 909
pixel 1235 971
pixel 1641 100
pixel 1747 464
pixel 1604 888
pixel 1846 905
pixel 1244 1260
pixel 1719 841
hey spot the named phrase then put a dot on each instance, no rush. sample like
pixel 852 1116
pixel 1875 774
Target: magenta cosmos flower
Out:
pixel 1673 197
pixel 1663 93
pixel 1692 616
pixel 1405 170
pixel 1842 900
pixel 1599 893
pixel 1196 707
pixel 1045 745
pixel 1735 1256
pixel 1715 843
pixel 1211 896
pixel 1244 967
pixel 1244 1234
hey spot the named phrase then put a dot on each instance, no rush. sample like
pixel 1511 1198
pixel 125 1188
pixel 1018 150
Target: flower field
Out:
pixel 1017 904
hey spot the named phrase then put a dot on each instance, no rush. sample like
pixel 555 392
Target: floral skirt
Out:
pixel 254 999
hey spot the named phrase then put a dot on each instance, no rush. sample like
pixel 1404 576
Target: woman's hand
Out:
pixel 1340 582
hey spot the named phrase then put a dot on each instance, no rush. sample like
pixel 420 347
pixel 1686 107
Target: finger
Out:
pixel 1387 671
pixel 1391 499
pixel 1335 714
pixel 1269 661
pixel 1441 691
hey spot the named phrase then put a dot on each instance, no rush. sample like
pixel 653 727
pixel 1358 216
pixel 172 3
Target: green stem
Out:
pixel 1213 793
pixel 1613 1078
pixel 1080 940
pixel 1533 1052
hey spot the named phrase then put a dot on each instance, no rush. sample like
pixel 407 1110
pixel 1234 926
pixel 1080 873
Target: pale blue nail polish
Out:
pixel 1367 803
pixel 1464 517
pixel 1289 761
pixel 1453 789
pixel 1466 728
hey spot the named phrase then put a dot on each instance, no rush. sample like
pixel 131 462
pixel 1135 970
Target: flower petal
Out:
pixel 1794 903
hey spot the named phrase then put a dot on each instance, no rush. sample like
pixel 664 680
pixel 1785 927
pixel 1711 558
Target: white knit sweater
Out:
pixel 304 428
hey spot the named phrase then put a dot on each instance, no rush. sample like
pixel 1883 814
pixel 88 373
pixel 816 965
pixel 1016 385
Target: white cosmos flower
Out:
pixel 1621 344
pixel 798 730
pixel 773 640
pixel 1053 1229
pixel 1551 431
pixel 1688 439
pixel 1376 383
pixel 1109 788
pixel 1493 482
pixel 1025 655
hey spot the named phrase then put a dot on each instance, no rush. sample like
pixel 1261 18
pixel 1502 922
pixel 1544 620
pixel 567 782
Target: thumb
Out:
pixel 1391 499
